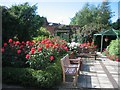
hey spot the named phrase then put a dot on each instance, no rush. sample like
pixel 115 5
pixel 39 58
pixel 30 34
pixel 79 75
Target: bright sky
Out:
pixel 61 11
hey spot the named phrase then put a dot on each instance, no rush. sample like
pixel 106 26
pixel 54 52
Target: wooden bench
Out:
pixel 92 52
pixel 70 69
pixel 87 52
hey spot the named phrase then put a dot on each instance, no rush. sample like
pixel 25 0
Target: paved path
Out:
pixel 100 73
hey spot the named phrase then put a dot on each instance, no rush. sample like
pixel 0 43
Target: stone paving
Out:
pixel 100 73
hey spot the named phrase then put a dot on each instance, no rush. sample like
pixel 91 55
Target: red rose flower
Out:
pixel 47 45
pixel 43 41
pixel 39 49
pixel 51 58
pixel 5 44
pixel 32 50
pixel 50 44
pixel 17 43
pixel 57 44
pixel 54 46
pixel 66 48
pixel 23 43
pixel 10 40
pixel 18 51
pixel 21 46
pixel 28 42
pixel 32 43
pixel 27 56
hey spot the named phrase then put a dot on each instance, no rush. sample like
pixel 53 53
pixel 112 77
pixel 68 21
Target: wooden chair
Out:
pixel 70 69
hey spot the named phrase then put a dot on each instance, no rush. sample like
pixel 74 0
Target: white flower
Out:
pixel 73 45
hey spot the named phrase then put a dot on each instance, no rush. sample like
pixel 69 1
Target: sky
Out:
pixel 62 11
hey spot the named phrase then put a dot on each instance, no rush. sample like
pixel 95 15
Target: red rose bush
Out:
pixel 14 52
pixel 88 45
pixel 36 54
pixel 44 53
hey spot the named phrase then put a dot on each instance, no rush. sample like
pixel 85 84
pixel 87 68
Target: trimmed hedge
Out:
pixel 28 77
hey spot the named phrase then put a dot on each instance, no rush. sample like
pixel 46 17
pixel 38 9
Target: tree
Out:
pixel 82 17
pixel 8 24
pixel 116 25
pixel 23 22
pixel 92 19
pixel 105 15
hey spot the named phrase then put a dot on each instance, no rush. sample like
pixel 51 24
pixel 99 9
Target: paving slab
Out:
pixel 100 73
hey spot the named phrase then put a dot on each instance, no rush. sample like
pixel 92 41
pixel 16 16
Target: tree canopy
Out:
pixel 116 25
pixel 20 21
pixel 92 18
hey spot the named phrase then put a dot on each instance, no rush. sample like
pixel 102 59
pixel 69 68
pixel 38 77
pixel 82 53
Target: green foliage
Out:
pixel 28 77
pixel 20 21
pixel 103 53
pixel 56 71
pixel 41 34
pixel 43 31
pixel 8 24
pixel 116 25
pixel 92 19
pixel 105 15
pixel 114 48
pixel 39 38
pixel 21 76
pixel 83 17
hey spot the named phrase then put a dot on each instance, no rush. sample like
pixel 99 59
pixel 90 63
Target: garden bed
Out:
pixel 33 63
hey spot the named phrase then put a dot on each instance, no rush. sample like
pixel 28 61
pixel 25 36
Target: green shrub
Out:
pixel 103 53
pixel 28 77
pixel 114 48
pixel 21 76
pixel 56 71
pixel 39 38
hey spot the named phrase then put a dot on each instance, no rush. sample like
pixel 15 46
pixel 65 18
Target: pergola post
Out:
pixel 101 42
